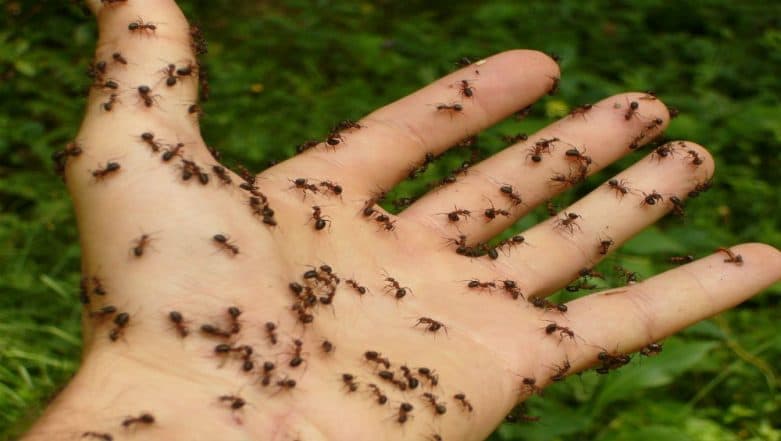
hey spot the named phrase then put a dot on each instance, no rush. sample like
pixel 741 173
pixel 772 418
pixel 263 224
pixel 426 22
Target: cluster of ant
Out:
pixel 93 286
pixel 369 211
pixel 334 137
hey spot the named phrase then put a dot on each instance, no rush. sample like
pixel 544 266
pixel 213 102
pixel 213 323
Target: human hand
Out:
pixel 505 338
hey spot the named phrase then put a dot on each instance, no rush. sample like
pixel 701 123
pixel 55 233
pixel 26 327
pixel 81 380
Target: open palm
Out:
pixel 275 306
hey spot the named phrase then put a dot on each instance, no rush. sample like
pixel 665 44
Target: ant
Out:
pixel 172 152
pixel 178 321
pixel 169 72
pixel 353 284
pixel 381 397
pixel 581 110
pixel 144 92
pixel 611 361
pixel 568 222
pixel 651 198
pixel 224 242
pixel 515 198
pixel 234 314
pixel 511 287
pixel 116 56
pixel 540 147
pixel 737 259
pixel 539 302
pixel 149 139
pixel 681 259
pixel 320 220
pixel 403 415
pixel 98 289
pixel 439 408
pixel 651 349
pixel 267 368
pixel 235 402
pixel 185 71
pixel 665 150
pixel 286 384
pixel 619 186
pixel 103 436
pixel 412 382
pixel 431 324
pixel 578 156
pixel 332 187
pixel 144 418
pixel 222 174
pixel 562 330
pixel 190 168
pixel 678 206
pixel 465 89
pixel 140 26
pixel 560 372
pixel 327 346
pixel 214 331
pixel 530 385
pixel 474 283
pixel 304 185
pixel 491 212
pixel 296 359
pixel 450 108
pixel 271 332
pixel 429 375
pixel 111 2
pixel 465 404
pixel 140 245
pixel 604 245
pixel 349 382
pixel 701 187
pixel 456 214
pixel 394 285
pixel 376 357
pixel 696 159
pixel 109 169
pixel 103 312
pixel 631 110
pixel 108 106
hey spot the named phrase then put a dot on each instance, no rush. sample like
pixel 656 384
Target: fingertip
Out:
pixel 767 257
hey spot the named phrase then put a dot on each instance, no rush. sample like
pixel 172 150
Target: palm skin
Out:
pixel 489 342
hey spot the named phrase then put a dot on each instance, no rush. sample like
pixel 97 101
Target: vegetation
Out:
pixel 282 72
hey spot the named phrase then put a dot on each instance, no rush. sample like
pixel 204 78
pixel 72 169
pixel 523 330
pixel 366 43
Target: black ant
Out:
pixel 403 415
pixel 560 372
pixel 178 321
pixel 224 243
pixel 327 346
pixel 450 108
pixel 215 331
pixel 563 331
pixel 465 404
pixel 438 408
pixel 511 287
pixel 149 139
pixel 631 110
pixel 568 222
pixel 267 368
pixel 144 418
pixel 140 26
pixel 185 71
pixel 320 220
pixel 394 285
pixel 540 147
pixel 456 214
pixel 353 284
pixel 651 349
pixel 578 156
pixel 286 384
pixel 429 375
pixel 412 382
pixel 681 259
pixel 170 73
pixel 474 283
pixel 491 212
pixel 296 359
pixel 701 187
pixel 737 259
pixel 118 58
pixel 271 332
pixel 381 397
pixel 465 89
pixel 234 313
pixel 190 169
pixel 349 382
pixel 98 435
pixel 515 198
pixel 110 84
pixel 581 110
pixel 539 302
pixel 140 245
pixel 619 186
pixel 222 174
pixel 304 185
pixel 604 245
pixel 376 357
pixel 108 106
pixel 651 198
pixel 103 312
pixel 109 169
pixel 172 152
pixel 332 187
pixel 431 324
pixel 235 402
pixel 144 92
pixel 696 159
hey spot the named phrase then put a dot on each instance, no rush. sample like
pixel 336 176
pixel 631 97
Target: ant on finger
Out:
pixel 604 245
pixel 737 259
pixel 108 106
pixel 563 331
pixel 560 372
pixel 491 212
pixel 140 26
pixel 140 244
pixel 465 89
pixel 109 169
pixel 619 186
pixel 144 418
pixel 631 110
pixel 321 221
pixel 145 93
pixel 457 214
pixel 431 324
pixel 541 146
pixel 580 110
pixel 465 404
pixel 510 193
pixel 223 242
pixel 568 222
pixel 651 198
pixel 178 320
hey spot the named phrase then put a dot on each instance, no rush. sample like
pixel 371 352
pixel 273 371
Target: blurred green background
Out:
pixel 283 72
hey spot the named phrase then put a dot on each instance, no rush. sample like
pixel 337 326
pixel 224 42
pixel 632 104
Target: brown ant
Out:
pixel 429 375
pixel 611 361
pixel 178 321
pixel 511 287
pixel 465 89
pixel 170 73
pixel 108 106
pixel 286 384
pixel 327 346
pixel 651 198
pixel 84 290
pixel 304 185
pixel 140 245
pixel 149 139
pixel 98 288
pixel 172 152
pixel 681 259
pixel 571 179
pixel 112 2
pixel 439 408
pixel 568 222
pixel 144 418
pixel 631 110
pixel 271 332
pixel 512 241
pixel 222 174
pixel 465 404
pixel 98 435
pixel 665 150
pixel 140 26
pixel 376 357
pixel 103 312
pixel 619 186
pixel 651 349
pixel 145 93
pixel 224 242
pixel 456 214
pixel 109 169
pixel 431 324
pixel 403 414
pixel 696 159
pixel 474 283
pixel 381 397
pixel 578 156
pixel 234 313
pixel 540 147
pixel 349 382
pixel 560 372
pixel 190 169
pixel 215 331
pixel 296 359
pixel 515 198
pixel 412 382
pixel 333 187
pixel 267 368
pixel 581 110
pixel 394 285
pixel 186 71
pixel 235 402
pixel 701 187
pixel 116 56
pixel 737 259
pixel 563 331
pixel 491 212
pixel 529 385
pixel 450 108
pixel 539 302
pixel 320 220
pixel 353 284
pixel 604 245
pixel 679 208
